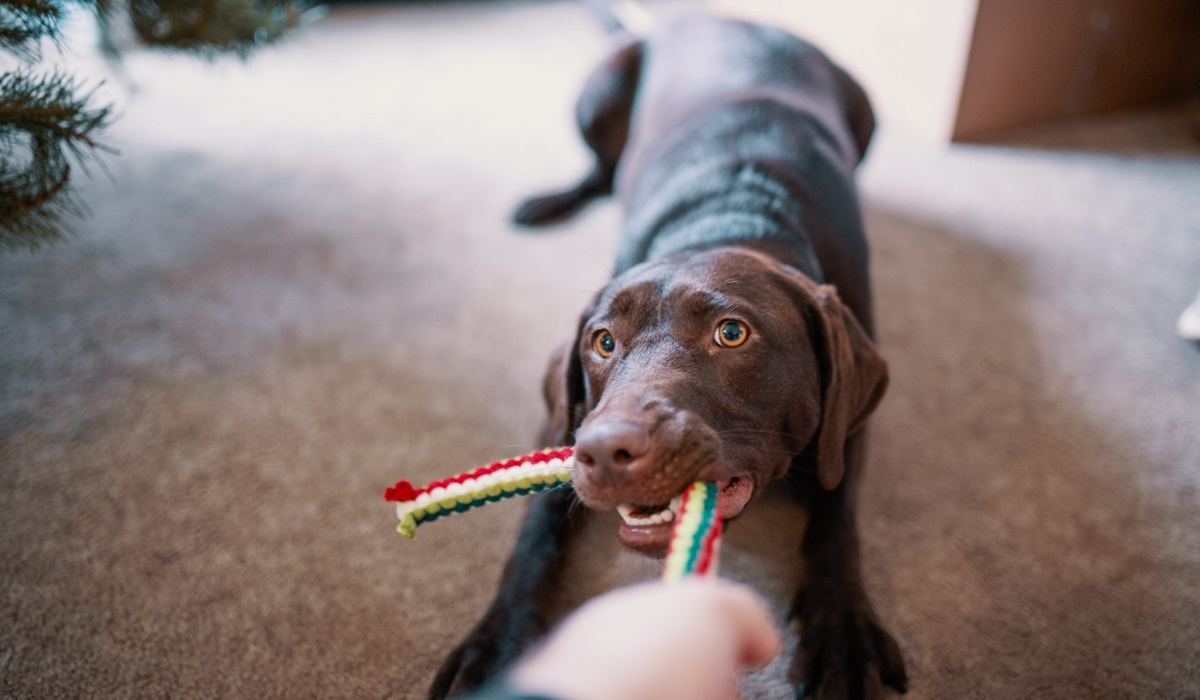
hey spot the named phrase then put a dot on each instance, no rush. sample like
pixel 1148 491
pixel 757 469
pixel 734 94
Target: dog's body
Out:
pixel 720 350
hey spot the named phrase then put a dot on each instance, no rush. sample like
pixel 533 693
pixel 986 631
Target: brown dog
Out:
pixel 733 343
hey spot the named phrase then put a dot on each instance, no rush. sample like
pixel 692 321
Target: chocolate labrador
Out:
pixel 733 343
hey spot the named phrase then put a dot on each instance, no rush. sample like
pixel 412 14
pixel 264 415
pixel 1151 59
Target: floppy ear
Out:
pixel 854 380
pixel 563 391
pixel 858 111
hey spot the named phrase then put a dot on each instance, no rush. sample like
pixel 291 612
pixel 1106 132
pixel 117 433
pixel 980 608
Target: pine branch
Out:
pixel 45 126
pixel 211 27
pixel 23 23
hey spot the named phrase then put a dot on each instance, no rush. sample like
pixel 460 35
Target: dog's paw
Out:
pixel 485 653
pixel 470 665
pixel 845 654
pixel 446 676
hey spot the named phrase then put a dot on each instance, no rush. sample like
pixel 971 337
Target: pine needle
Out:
pixel 212 27
pixel 46 126
pixel 24 23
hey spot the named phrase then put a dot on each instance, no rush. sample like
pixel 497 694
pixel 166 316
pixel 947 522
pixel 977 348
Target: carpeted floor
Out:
pixel 299 285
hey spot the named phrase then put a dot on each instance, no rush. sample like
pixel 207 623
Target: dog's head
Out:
pixel 720 366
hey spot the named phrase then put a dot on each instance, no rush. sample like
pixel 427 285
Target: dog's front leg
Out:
pixel 515 618
pixel 844 650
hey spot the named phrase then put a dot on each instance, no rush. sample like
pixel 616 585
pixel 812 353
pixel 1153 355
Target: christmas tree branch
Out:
pixel 45 125
pixel 23 23
pixel 211 27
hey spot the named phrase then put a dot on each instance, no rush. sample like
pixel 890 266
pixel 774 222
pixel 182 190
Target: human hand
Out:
pixel 655 641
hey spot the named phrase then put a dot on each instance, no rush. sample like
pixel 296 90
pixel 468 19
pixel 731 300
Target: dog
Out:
pixel 733 343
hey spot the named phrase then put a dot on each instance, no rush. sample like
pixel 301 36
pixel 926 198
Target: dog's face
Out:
pixel 719 366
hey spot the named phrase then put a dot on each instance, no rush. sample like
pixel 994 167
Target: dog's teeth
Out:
pixel 627 514
pixel 676 504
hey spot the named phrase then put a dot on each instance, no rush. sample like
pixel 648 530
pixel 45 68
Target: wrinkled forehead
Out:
pixel 700 285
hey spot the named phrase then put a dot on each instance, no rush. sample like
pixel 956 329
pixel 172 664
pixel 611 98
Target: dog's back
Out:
pixel 692 65
pixel 741 132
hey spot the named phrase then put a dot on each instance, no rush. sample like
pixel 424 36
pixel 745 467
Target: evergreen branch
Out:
pixel 45 125
pixel 23 23
pixel 212 27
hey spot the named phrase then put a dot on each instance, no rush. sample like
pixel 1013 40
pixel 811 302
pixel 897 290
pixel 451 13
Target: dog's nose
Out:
pixel 608 448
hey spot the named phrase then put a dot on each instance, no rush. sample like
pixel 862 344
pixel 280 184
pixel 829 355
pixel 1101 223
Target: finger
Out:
pixel 758 640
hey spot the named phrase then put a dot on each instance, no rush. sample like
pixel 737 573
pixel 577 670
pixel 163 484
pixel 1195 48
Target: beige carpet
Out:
pixel 299 286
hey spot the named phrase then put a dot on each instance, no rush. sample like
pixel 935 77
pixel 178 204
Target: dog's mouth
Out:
pixel 648 529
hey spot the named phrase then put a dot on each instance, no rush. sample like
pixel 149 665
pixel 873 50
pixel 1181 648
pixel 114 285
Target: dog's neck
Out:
pixel 747 207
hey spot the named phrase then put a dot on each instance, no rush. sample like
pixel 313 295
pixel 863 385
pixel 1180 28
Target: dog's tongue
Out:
pixel 733 495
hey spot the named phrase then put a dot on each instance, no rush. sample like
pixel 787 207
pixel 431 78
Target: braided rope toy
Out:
pixel 695 540
pixel 697 535
pixel 487 484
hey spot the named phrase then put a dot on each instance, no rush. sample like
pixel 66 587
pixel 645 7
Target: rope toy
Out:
pixel 697 534
pixel 695 540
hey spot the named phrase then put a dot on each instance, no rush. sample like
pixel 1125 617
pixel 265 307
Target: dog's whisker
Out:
pixel 573 505
pixel 757 431
pixel 777 450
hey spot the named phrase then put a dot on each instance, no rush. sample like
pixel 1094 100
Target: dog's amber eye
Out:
pixel 604 343
pixel 731 334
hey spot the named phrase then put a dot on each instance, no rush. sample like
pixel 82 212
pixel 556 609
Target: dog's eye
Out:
pixel 731 334
pixel 604 343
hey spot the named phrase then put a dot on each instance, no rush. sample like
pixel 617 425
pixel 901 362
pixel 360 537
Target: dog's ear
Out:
pixel 563 391
pixel 858 111
pixel 854 377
